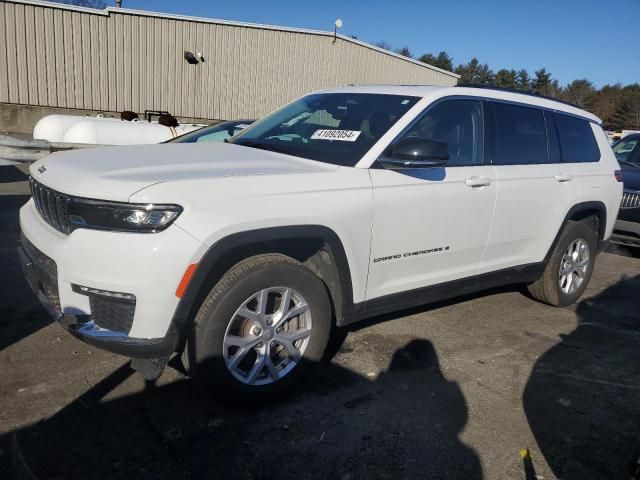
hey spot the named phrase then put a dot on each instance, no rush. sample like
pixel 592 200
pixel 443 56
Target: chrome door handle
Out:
pixel 477 181
pixel 562 177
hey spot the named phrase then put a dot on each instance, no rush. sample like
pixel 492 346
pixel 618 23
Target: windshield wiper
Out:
pixel 629 163
pixel 265 146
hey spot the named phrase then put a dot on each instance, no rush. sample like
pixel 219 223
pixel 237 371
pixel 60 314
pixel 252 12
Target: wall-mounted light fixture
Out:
pixel 336 25
pixel 193 59
pixel 190 58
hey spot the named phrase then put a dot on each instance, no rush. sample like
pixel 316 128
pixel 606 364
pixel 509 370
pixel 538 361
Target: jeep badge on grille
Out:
pixel 42 169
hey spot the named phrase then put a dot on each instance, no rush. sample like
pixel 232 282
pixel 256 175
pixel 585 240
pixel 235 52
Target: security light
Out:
pixel 336 25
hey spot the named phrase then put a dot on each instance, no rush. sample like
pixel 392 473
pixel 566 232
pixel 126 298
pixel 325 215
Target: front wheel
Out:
pixel 569 269
pixel 260 329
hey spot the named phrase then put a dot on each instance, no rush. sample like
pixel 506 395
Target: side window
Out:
pixel 520 136
pixel 576 140
pixel 458 123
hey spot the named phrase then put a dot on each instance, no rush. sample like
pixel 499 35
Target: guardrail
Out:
pixel 16 150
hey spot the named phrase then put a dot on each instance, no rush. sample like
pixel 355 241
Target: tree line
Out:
pixel 618 106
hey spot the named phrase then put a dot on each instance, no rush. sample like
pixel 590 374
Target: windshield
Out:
pixel 214 133
pixel 336 128
pixel 624 150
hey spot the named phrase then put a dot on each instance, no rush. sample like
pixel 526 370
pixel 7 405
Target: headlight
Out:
pixel 129 217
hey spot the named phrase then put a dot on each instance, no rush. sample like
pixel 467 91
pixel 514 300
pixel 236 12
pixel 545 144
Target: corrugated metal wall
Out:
pixel 116 60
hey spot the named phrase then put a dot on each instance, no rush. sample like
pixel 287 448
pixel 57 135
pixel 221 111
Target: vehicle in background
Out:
pixel 620 134
pixel 627 228
pixel 101 130
pixel 219 132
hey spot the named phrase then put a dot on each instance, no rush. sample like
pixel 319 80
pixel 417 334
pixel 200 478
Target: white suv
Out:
pixel 342 205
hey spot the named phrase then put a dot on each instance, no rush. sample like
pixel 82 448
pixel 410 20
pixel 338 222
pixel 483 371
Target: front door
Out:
pixel 431 225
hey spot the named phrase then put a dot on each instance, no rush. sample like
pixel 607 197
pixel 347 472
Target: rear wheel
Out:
pixel 260 329
pixel 569 269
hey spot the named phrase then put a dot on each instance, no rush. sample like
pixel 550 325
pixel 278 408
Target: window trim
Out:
pixel 552 129
pixel 481 100
pixel 540 107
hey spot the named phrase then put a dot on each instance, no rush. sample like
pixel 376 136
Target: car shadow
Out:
pixel 403 424
pixel 582 399
pixel 624 251
pixel 20 313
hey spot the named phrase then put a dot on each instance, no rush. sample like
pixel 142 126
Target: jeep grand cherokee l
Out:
pixel 342 205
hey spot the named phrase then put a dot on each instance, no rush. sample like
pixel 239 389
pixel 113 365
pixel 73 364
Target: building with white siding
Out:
pixel 55 56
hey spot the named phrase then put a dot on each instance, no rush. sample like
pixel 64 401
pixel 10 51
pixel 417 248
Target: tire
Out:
pixel 547 288
pixel 230 315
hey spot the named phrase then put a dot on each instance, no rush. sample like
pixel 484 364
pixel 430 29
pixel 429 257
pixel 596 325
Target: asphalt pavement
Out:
pixel 492 386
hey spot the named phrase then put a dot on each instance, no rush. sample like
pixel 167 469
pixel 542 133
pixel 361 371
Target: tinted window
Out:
pixel 336 128
pixel 520 136
pixel 459 124
pixel 576 140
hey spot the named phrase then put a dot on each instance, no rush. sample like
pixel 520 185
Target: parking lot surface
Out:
pixel 451 390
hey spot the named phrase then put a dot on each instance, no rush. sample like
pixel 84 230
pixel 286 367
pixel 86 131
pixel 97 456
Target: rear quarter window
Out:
pixel 577 143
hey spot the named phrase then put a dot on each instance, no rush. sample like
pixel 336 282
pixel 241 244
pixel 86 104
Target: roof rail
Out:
pixel 515 90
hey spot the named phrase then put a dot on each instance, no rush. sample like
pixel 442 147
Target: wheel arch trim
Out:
pixel 211 267
pixel 597 206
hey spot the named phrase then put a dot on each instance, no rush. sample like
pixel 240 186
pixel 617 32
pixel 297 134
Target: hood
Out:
pixel 116 173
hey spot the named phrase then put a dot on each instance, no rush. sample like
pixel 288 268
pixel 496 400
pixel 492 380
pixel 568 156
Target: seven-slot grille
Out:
pixel 630 199
pixel 52 206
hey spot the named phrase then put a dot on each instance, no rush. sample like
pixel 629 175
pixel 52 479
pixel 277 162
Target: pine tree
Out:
pixel 523 81
pixel 485 75
pixel 474 72
pixel 405 52
pixel 506 78
pixel 541 82
pixel 442 60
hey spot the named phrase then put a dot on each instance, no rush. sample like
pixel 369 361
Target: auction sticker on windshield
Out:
pixel 341 135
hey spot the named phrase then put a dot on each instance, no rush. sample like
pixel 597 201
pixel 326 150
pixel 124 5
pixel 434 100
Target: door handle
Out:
pixel 477 182
pixel 562 177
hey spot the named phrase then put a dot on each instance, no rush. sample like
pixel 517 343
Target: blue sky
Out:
pixel 571 38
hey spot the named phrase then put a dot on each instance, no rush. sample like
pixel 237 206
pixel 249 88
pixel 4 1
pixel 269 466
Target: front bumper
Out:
pixel 83 327
pixel 149 266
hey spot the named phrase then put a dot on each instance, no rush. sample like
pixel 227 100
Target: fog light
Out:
pixel 126 297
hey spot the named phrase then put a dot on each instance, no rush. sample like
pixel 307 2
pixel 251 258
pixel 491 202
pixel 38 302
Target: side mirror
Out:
pixel 417 152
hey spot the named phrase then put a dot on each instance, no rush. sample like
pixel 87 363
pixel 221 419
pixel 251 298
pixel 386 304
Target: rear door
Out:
pixel 535 189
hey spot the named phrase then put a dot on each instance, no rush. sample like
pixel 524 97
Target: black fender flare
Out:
pixel 598 206
pixel 211 267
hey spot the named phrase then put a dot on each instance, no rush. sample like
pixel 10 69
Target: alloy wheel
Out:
pixel 574 266
pixel 267 336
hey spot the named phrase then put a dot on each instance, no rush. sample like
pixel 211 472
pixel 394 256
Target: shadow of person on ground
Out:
pixel 582 399
pixel 341 425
